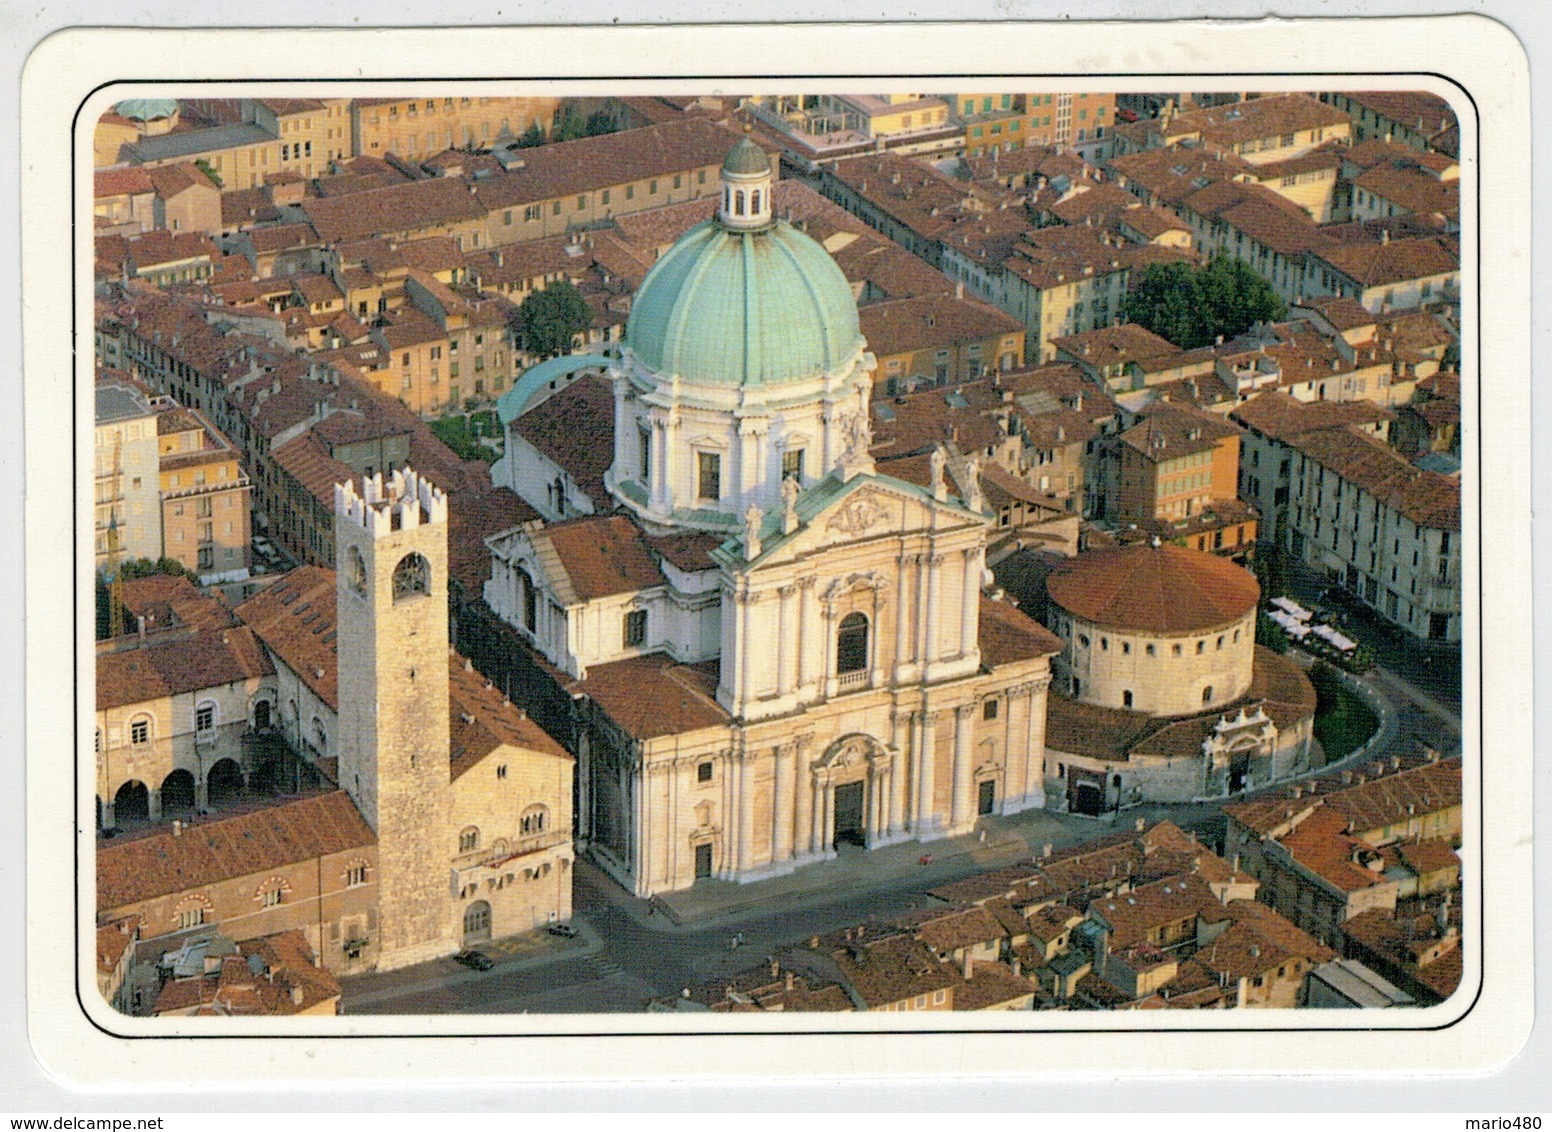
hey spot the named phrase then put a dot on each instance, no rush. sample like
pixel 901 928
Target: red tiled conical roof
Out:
pixel 1154 589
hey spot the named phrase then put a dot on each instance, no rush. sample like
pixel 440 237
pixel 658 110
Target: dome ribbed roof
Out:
pixel 744 308
pixel 146 109
pixel 745 158
pixel 1154 589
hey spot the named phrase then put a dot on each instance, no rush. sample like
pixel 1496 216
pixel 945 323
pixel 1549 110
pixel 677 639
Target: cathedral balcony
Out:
pixel 852 681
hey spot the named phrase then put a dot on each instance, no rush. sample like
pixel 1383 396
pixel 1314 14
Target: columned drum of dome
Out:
pixel 743 363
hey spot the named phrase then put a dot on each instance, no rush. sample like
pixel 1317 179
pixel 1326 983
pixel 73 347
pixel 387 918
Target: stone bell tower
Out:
pixel 391 598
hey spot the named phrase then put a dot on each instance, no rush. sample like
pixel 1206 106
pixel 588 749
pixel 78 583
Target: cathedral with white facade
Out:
pixel 775 651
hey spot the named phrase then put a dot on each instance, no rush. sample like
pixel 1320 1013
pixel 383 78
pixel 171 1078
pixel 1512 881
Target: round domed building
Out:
pixel 1160 693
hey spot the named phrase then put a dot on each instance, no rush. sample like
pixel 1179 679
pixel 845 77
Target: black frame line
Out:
pixel 834 1031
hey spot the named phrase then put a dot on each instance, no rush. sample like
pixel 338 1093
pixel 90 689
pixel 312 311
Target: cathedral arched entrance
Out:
pixel 850 784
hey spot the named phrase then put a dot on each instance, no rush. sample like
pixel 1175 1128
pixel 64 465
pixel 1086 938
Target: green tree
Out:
pixel 209 170
pixel 570 127
pixel 550 320
pixel 1192 306
pixel 532 137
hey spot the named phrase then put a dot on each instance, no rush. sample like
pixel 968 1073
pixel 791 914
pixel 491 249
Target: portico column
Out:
pixel 927 723
pixel 963 769
pixel 781 807
pixel 816 830
pixel 970 613
pixel 745 808
pixel 896 775
pixel 803 797
pixel 784 658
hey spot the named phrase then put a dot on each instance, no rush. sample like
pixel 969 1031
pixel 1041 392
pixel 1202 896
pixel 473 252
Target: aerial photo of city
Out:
pixel 741 554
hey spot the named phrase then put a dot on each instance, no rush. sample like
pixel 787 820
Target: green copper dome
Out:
pixel 146 109
pixel 744 308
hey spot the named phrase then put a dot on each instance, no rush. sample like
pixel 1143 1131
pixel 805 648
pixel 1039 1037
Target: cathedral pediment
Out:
pixel 834 514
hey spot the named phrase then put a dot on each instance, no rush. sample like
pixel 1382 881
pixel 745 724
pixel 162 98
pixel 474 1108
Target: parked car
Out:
pixel 565 931
pixel 477 960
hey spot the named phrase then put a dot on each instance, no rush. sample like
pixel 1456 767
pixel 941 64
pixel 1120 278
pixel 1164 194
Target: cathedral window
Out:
pixel 411 577
pixel 703 774
pixel 738 204
pixel 1126 699
pixel 469 840
pixel 644 442
pixel 709 467
pixel 1207 694
pixel 754 203
pixel 635 628
pixel 851 644
pixel 534 820
pixel 530 601
pixel 792 465
pixel 140 731
pixel 989 709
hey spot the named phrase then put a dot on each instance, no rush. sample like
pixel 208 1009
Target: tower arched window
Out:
pixel 738 203
pixel 1207 694
pixel 754 203
pixel 411 577
pixel 469 840
pixel 534 820
pixel 530 600
pixel 851 644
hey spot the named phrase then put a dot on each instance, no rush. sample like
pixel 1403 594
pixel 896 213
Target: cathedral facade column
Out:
pixel 781 804
pixel 817 812
pixel 970 611
pixel 745 763
pixel 926 738
pixel 907 563
pixel 803 800
pixel 898 721
pixel 934 598
pixel 1034 744
pixel 661 490
pixel 964 770
pixel 785 660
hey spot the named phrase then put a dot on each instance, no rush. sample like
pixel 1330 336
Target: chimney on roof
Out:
pixel 177 828
pixel 1046 850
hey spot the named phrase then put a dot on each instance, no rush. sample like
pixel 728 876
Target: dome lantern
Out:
pixel 746 188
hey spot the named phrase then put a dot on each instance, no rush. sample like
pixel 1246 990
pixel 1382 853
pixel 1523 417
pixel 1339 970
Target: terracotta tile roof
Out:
pixel 575 428
pixel 1429 499
pixel 914 423
pixel 165 601
pixel 288 982
pixel 885 966
pixel 650 696
pixel 470 523
pixel 598 556
pixel 1133 915
pixel 1411 109
pixel 1049 922
pixel 294 617
pixel 761 989
pixel 587 164
pixel 1168 430
pixel 1251 119
pixel 1380 264
pixel 1113 345
pixel 170 180
pixel 947 930
pixel 1404 184
pixel 991 986
pixel 208 659
pixel 207 852
pixel 927 322
pixel 127 180
pixel 688 550
pixel 1412 947
pixel 409 207
pixel 1282 417
pixel 1163 589
pixel 1342 312
pixel 112 941
pixel 481 719
pixel 1008 636
pixel 1433 855
pixel 306 459
pixel 1171 175
pixel 1078 728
